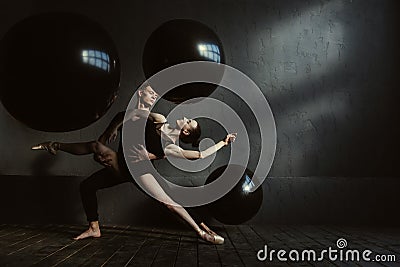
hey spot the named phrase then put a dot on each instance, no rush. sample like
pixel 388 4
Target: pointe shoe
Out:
pixel 50 147
pixel 210 236
pixel 207 229
pixel 214 239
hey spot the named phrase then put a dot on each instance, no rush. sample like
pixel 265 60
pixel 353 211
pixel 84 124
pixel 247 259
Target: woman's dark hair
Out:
pixel 193 138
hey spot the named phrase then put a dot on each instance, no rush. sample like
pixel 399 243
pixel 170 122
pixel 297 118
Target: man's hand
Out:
pixel 136 114
pixel 104 160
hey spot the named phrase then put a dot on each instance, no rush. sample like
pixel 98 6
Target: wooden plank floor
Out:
pixel 52 245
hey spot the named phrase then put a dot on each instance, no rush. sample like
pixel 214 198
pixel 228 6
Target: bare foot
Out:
pixel 89 233
pixel 93 231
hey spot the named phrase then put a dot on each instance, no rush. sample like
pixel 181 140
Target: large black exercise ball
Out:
pixel 239 204
pixel 178 41
pixel 58 71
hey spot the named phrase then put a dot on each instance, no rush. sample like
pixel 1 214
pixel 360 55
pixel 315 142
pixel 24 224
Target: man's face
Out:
pixel 148 96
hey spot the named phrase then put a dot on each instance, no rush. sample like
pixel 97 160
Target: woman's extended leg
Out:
pixel 153 187
pixel 102 153
pixel 82 148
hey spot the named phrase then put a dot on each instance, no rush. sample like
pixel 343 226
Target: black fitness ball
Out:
pixel 58 71
pixel 179 41
pixel 239 204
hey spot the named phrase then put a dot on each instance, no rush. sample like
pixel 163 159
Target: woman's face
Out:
pixel 186 125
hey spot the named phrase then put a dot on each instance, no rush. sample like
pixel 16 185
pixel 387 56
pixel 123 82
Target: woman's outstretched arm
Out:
pixel 177 152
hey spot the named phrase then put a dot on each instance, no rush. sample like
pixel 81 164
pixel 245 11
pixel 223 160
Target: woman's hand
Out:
pixel 138 154
pixel 230 138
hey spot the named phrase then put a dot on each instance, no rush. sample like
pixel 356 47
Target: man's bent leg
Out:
pixel 103 178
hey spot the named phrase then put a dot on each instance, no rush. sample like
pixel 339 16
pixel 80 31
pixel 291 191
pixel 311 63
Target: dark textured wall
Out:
pixel 327 68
